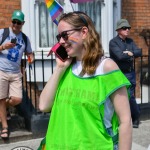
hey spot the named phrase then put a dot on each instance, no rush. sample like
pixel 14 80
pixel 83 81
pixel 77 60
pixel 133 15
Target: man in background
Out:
pixel 123 50
pixel 11 51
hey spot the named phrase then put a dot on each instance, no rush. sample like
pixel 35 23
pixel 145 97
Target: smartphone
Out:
pixel 14 40
pixel 60 52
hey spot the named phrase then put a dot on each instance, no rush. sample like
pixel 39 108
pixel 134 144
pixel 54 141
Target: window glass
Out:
pixel 93 9
pixel 47 29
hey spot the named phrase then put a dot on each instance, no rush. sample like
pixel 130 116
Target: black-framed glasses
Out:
pixel 16 22
pixel 65 34
pixel 125 28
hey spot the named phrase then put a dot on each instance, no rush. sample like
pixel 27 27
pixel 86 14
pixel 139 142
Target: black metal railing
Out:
pixel 35 79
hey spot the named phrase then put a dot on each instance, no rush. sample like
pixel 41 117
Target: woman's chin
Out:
pixel 70 54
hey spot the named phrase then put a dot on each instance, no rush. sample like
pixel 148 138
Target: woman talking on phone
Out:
pixel 87 93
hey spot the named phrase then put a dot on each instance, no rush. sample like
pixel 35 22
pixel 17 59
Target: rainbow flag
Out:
pixel 54 8
pixel 80 1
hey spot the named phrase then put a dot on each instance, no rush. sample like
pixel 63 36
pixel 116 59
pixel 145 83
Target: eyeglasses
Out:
pixel 125 28
pixel 64 34
pixel 16 22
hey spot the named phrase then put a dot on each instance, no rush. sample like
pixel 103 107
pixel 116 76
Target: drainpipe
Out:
pixel 146 35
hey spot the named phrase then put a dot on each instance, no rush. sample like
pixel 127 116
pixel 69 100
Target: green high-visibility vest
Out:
pixel 76 121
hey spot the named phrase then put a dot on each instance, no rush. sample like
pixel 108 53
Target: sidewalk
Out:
pixel 33 144
pixel 141 139
pixel 141 136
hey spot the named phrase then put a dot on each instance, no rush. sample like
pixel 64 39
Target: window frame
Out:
pixel 108 12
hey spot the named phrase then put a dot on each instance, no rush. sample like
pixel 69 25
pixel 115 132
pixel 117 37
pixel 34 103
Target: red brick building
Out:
pixel 6 9
pixel 137 12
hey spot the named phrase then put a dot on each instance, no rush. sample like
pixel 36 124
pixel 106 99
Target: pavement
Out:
pixel 141 140
pixel 141 136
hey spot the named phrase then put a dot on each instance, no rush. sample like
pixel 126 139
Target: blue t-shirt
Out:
pixel 10 59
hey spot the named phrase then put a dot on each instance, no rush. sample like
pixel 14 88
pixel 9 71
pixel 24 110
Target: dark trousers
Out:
pixel 135 111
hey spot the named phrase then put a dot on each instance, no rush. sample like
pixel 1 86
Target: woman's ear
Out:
pixel 84 32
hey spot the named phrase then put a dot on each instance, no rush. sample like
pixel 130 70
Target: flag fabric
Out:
pixel 80 1
pixel 30 64
pixel 54 9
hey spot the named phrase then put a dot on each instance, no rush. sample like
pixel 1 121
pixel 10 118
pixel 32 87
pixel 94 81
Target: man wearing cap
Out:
pixel 11 51
pixel 123 50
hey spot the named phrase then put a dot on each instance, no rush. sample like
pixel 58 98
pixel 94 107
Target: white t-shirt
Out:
pixel 109 108
pixel 10 59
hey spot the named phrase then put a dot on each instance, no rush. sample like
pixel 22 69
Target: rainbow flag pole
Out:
pixel 54 9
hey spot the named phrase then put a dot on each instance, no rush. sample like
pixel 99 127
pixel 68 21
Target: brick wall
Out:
pixel 6 9
pixel 137 12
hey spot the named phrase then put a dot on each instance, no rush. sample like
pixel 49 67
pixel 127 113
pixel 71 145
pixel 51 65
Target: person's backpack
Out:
pixel 6 34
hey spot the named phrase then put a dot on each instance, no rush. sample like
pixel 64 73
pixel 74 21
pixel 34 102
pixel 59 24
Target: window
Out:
pixel 93 9
pixel 46 29
pixel 116 14
pixel 42 31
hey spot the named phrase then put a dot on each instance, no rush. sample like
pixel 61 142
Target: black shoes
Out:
pixel 135 123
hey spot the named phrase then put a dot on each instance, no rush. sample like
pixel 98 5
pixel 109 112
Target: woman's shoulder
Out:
pixel 109 65
pixel 106 65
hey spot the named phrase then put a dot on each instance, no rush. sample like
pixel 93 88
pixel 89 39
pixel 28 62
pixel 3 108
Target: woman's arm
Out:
pixel 48 93
pixel 122 109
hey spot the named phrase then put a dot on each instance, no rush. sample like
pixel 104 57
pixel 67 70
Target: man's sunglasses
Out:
pixel 125 28
pixel 65 34
pixel 16 22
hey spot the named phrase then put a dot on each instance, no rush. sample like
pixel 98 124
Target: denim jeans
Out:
pixel 116 147
pixel 110 132
pixel 135 111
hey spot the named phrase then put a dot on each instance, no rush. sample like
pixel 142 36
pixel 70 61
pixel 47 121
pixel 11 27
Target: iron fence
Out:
pixel 35 78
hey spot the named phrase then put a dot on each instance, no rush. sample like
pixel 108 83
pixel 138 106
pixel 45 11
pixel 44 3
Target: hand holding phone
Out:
pixel 14 40
pixel 60 52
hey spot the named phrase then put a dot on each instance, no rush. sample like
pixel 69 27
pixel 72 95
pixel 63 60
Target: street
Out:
pixel 141 140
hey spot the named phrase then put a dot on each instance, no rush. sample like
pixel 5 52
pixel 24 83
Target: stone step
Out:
pixel 144 111
pixel 20 132
pixel 15 136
